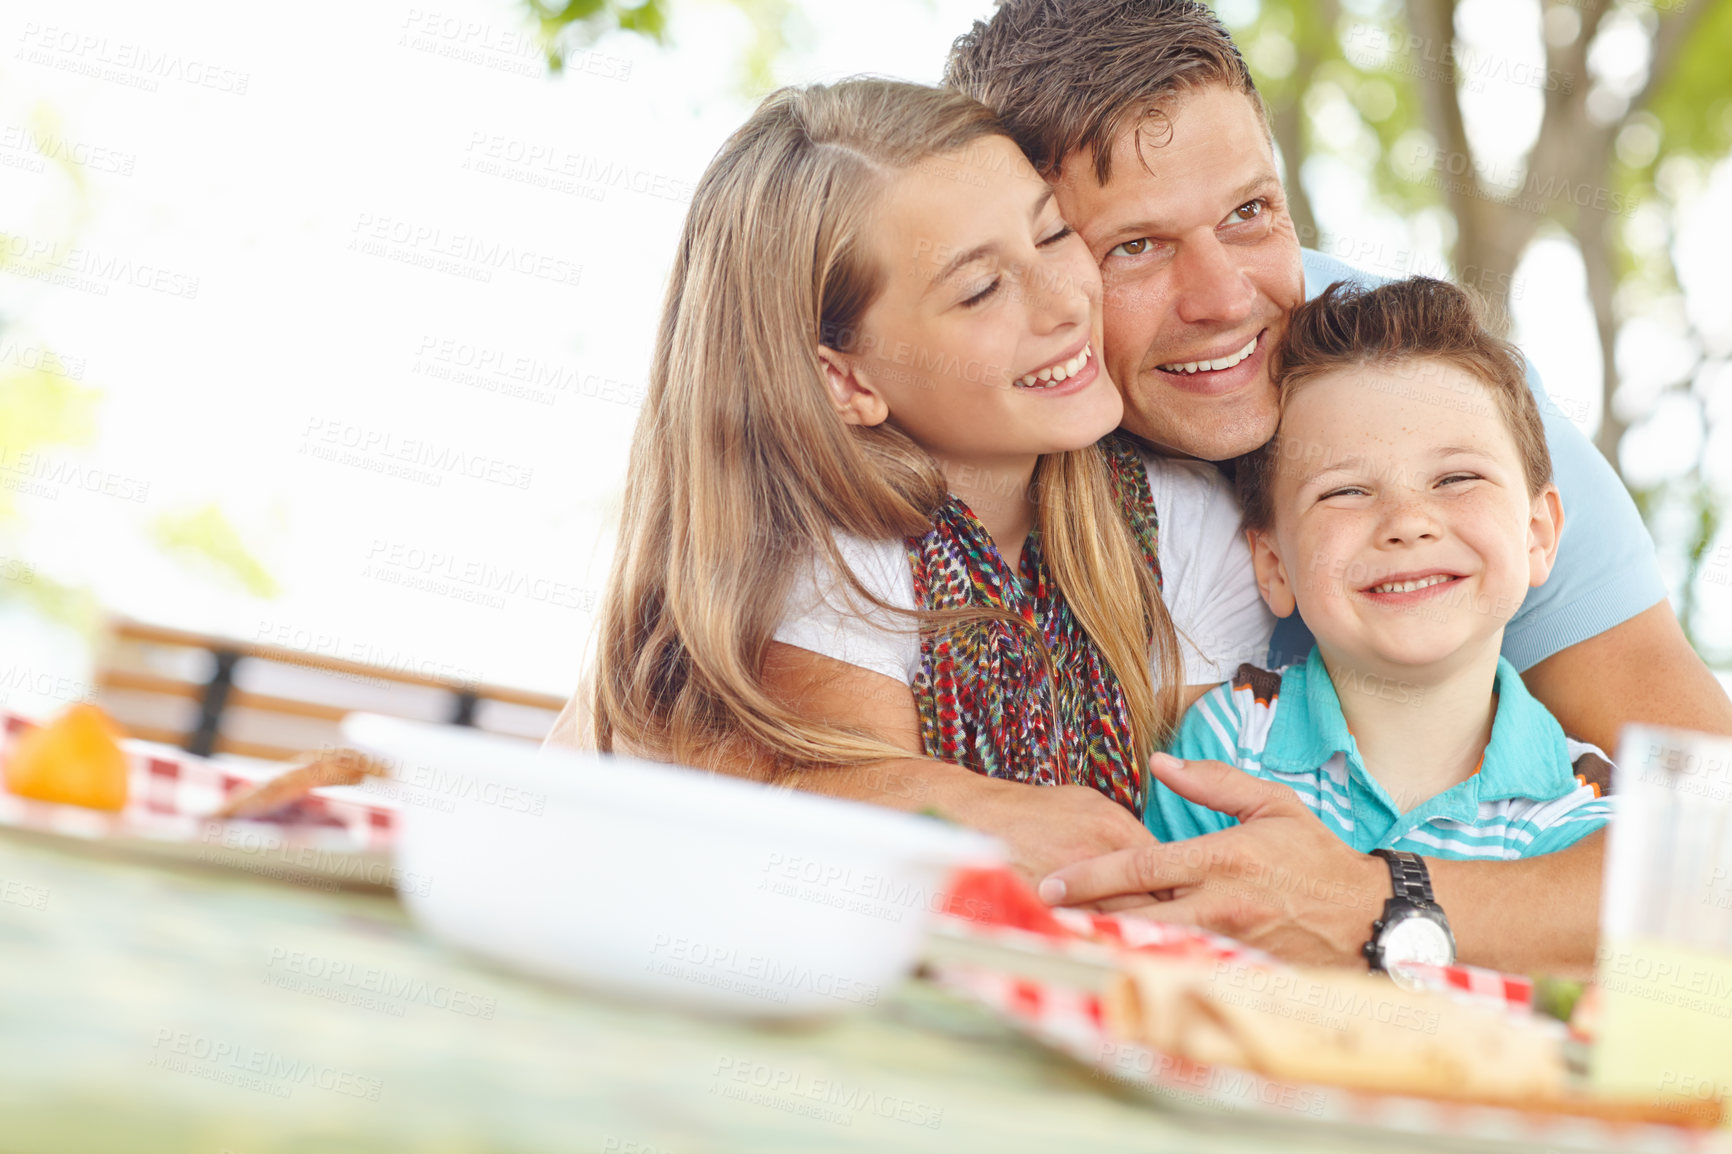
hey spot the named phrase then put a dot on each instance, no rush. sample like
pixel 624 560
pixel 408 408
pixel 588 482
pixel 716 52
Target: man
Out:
pixel 1143 116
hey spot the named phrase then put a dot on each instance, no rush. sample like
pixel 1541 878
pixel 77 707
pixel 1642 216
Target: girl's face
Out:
pixel 984 344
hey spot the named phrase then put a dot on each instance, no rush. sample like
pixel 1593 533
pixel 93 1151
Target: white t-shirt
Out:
pixel 1206 580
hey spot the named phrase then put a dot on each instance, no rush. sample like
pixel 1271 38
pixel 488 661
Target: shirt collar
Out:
pixel 1308 728
pixel 1526 756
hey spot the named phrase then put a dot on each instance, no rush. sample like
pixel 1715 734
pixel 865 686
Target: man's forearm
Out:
pixel 1043 827
pixel 1535 915
pixel 1642 670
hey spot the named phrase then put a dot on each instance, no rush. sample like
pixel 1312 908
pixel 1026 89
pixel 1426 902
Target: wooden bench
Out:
pixel 218 695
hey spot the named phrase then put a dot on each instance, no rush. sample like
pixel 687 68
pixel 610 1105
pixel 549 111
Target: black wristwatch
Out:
pixel 1413 927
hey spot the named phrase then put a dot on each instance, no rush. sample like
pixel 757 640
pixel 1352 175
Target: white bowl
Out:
pixel 656 881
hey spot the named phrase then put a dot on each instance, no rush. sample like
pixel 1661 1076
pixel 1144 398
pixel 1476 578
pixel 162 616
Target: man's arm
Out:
pixel 1642 670
pixel 1044 827
pixel 1299 892
pixel 1534 915
pixel 1281 881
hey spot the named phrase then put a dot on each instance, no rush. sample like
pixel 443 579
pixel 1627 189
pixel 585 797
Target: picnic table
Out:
pixel 155 1006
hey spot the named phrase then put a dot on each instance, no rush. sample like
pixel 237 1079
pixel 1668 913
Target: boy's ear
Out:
pixel 1545 526
pixel 1271 573
pixel 854 397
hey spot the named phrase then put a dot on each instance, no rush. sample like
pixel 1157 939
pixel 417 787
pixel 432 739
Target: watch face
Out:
pixel 1416 938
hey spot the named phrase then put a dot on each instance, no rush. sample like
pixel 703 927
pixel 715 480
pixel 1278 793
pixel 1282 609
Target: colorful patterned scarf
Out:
pixel 986 701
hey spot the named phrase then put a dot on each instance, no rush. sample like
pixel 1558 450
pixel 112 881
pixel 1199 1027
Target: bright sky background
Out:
pixel 367 137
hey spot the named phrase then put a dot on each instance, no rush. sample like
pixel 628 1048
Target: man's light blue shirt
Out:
pixel 1606 572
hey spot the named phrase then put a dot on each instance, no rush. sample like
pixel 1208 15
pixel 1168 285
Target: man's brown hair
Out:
pixel 1070 74
pixel 1397 325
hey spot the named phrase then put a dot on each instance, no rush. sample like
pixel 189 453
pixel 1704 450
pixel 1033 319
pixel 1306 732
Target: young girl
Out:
pixel 867 518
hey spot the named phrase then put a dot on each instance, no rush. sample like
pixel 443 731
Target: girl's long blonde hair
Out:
pixel 741 468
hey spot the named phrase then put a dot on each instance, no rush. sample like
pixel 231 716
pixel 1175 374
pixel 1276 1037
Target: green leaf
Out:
pixel 207 538
pixel 1557 997
pixel 1693 101
pixel 579 23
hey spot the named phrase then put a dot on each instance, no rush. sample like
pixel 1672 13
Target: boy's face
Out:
pixel 1403 528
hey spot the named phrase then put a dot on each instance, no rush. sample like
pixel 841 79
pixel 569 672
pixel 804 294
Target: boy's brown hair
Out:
pixel 1392 325
pixel 1070 74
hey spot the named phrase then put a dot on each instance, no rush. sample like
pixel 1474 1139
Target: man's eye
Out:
pixel 983 293
pixel 1131 247
pixel 1250 210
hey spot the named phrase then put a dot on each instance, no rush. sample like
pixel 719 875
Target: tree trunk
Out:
pixel 1288 123
pixel 1591 233
pixel 1288 128
pixel 1490 236
pixel 1496 223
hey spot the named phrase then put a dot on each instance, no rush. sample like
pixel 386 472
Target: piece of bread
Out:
pixel 330 767
pixel 1333 1027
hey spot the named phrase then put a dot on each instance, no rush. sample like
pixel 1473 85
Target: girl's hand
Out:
pixel 1047 827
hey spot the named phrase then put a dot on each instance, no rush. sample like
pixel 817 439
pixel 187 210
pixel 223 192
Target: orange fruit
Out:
pixel 75 759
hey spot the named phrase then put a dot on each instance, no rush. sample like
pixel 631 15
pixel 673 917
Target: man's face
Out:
pixel 1200 265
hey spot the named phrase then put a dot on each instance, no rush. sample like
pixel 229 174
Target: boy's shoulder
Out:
pixel 1264 685
pixel 1250 686
pixel 1593 768
pixel 1238 711
pixel 1530 755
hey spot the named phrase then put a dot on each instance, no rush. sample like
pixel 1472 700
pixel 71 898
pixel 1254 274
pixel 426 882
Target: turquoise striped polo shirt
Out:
pixel 1536 791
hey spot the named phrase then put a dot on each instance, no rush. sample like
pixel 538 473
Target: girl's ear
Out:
pixel 855 398
pixel 1271 573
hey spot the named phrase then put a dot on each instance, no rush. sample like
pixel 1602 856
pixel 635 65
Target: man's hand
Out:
pixel 1280 880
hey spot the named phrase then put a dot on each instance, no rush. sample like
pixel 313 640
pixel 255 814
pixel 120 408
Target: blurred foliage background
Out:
pixel 1637 107
pixel 1629 105
pixel 48 419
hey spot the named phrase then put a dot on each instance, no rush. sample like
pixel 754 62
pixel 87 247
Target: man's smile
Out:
pixel 1218 371
pixel 1211 364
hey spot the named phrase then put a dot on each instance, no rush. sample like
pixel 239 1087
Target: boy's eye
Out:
pixel 980 296
pixel 1344 491
pixel 1453 477
pixel 1061 234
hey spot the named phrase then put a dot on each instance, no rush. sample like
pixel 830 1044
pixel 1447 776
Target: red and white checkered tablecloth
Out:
pixel 991 902
pixel 993 905
pixel 1474 984
pixel 170 795
pixel 1069 1020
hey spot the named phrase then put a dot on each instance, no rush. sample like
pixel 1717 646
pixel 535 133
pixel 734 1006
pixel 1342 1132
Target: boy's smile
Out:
pixel 1403 528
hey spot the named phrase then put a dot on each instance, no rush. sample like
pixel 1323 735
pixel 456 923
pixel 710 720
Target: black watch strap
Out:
pixel 1408 875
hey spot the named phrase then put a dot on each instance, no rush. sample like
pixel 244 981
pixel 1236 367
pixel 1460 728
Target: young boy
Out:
pixel 1404 508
